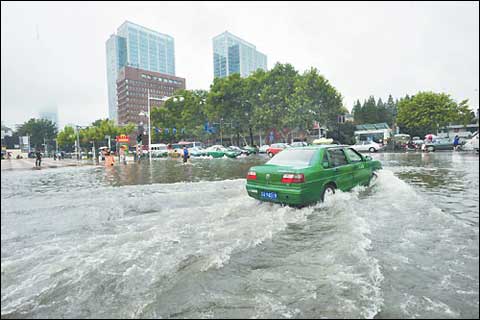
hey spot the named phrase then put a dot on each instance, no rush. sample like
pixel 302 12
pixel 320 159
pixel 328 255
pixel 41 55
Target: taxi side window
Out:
pixel 353 155
pixel 325 162
pixel 337 157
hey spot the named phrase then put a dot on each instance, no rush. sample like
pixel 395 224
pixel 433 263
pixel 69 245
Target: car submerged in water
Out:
pixel 438 144
pixel 219 151
pixel 306 175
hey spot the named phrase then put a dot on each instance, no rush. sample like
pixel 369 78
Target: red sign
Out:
pixel 123 138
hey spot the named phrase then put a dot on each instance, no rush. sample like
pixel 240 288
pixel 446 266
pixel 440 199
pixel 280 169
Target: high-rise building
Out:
pixel 234 55
pixel 49 114
pixel 132 90
pixel 139 47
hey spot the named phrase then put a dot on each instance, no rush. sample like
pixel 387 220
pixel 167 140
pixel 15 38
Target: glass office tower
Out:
pixel 137 47
pixel 234 55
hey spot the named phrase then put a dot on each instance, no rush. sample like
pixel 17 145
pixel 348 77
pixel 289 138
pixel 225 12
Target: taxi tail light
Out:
pixel 251 175
pixel 293 178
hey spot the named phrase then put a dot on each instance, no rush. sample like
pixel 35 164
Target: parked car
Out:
pixel 417 141
pixel 263 149
pixel 219 151
pixel 238 149
pixel 276 148
pixel 471 144
pixel 197 152
pixel 159 150
pixel 301 176
pixel 369 146
pixel 251 150
pixel 438 144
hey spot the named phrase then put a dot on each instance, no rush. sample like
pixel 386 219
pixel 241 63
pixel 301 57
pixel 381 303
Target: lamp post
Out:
pixel 148 115
pixel 45 145
pixel 78 142
pixel 149 135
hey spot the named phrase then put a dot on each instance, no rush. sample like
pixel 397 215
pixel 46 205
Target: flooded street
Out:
pixel 173 241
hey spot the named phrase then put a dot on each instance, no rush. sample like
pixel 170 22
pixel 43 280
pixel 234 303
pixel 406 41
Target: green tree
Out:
pixel 185 113
pixel 276 99
pixel 357 112
pixel 40 131
pixel 343 133
pixel 315 99
pixel 426 112
pixel 391 107
pixel 226 104
pixel 253 103
pixel 66 139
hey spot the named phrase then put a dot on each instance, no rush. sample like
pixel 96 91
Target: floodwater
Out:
pixel 173 241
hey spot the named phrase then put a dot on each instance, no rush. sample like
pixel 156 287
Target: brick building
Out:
pixel 132 92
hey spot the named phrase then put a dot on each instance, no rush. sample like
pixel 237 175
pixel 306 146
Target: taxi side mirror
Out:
pixel 367 158
pixel 325 164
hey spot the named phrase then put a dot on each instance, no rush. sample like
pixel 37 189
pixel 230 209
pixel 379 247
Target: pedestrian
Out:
pixel 55 156
pixel 38 160
pixel 109 159
pixel 456 142
pixel 185 154
pixel 123 156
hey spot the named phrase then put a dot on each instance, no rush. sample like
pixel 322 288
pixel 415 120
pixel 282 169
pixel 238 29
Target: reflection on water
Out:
pixel 185 241
pixel 171 171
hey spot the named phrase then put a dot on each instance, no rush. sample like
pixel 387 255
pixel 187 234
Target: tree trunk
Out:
pixel 284 137
pixel 251 136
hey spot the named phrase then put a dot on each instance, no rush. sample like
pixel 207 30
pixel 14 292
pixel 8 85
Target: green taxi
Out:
pixel 305 175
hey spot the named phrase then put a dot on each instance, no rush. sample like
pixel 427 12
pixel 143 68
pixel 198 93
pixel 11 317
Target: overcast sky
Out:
pixel 53 54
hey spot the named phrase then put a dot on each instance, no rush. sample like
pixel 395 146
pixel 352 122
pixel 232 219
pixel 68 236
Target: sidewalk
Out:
pixel 28 164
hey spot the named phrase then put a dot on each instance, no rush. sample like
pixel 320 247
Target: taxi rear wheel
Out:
pixel 328 192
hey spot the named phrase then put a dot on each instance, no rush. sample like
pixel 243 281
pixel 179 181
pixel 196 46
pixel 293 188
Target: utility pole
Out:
pixel 149 131
pixel 221 138
pixel 78 143
pixel 94 156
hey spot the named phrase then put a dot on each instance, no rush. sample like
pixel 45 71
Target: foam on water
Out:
pixel 206 249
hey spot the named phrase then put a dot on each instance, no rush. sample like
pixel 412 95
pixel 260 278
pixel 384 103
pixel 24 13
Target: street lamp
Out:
pixel 142 113
pixel 165 98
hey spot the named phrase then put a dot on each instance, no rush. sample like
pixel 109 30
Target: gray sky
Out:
pixel 53 54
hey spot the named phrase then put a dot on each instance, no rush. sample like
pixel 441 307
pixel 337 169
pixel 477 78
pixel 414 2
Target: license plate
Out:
pixel 268 195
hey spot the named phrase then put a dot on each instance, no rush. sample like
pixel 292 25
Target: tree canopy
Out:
pixel 96 132
pixel 41 131
pixel 281 99
pixel 426 112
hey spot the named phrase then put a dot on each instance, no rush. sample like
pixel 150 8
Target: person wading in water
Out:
pixel 38 161
pixel 185 154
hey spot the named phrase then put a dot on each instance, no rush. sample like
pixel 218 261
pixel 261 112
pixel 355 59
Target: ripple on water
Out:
pixel 205 249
